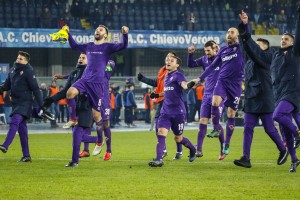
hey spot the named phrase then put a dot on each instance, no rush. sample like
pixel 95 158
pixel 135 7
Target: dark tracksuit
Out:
pixel 118 105
pixel 23 85
pixel 81 132
pixel 259 101
pixel 129 105
pixel 285 74
pixel 191 103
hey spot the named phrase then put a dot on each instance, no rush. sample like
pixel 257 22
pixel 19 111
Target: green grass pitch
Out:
pixel 128 176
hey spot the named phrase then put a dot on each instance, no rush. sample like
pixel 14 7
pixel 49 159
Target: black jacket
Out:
pixel 23 85
pixel 259 96
pixel 285 68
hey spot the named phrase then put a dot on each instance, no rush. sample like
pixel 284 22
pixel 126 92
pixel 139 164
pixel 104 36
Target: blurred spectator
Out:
pixel 129 104
pixel 282 22
pixel 77 10
pixel 7 106
pixel 148 105
pixel 118 105
pixel 94 17
pixel 191 22
pixel 54 106
pixel 46 18
pixel 180 21
pixel 1 108
pixel 107 17
pixel 112 108
pixel 62 108
pixel 65 18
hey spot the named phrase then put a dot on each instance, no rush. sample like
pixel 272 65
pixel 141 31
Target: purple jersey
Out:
pixel 211 79
pixel 231 60
pixel 173 92
pixel 97 57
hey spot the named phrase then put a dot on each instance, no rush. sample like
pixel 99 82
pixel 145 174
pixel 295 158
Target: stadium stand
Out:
pixel 268 16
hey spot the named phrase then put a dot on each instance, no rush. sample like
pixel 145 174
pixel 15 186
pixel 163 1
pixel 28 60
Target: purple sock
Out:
pixel 161 143
pixel 23 134
pixel 201 136
pixel 77 138
pixel 215 117
pixel 296 117
pixel 72 108
pixel 187 143
pixel 87 131
pixel 107 134
pixel 99 128
pixel 179 147
pixel 229 129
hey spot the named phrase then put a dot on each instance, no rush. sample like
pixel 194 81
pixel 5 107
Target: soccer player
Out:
pixel 105 113
pixel 159 98
pixel 173 113
pixel 93 77
pixel 285 74
pixel 229 83
pixel 210 49
pixel 259 102
pixel 23 85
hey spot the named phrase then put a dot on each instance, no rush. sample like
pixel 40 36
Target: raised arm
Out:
pixel 148 81
pixel 252 48
pixel 75 46
pixel 217 61
pixel 122 45
pixel 297 35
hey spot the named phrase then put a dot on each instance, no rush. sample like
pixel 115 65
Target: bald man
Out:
pixel 229 84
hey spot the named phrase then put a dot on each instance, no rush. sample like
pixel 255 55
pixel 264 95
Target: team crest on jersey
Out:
pixel 171 78
pixel 234 48
pixel 21 73
pixel 285 52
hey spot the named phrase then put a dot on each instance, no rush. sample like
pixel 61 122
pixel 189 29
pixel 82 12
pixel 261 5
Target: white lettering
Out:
pixel 10 37
pixel 168 88
pixel 229 57
pixel 1 37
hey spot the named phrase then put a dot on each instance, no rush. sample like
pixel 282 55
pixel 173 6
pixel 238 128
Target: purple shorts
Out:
pixel 93 90
pixel 105 107
pixel 230 92
pixel 173 122
pixel 205 110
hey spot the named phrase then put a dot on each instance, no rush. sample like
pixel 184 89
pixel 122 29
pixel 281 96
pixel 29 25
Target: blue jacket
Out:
pixel 23 85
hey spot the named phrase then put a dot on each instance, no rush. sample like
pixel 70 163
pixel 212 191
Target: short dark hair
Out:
pixel 179 61
pixel 210 43
pixel 25 54
pixel 172 52
pixel 264 41
pixel 106 29
pixel 83 53
pixel 291 35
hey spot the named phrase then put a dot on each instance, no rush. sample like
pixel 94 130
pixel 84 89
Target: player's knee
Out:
pixel 106 124
pixel 203 121
pixel 178 138
pixel 71 93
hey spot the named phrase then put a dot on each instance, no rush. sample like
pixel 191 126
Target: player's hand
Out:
pixel 57 76
pixel 244 17
pixel 1 90
pixel 140 76
pixel 47 102
pixel 153 95
pixel 66 27
pixel 192 48
pixel 125 29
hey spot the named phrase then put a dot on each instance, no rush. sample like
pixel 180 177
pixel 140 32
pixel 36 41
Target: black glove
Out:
pixel 245 37
pixel 43 113
pixel 47 102
pixel 140 76
pixel 1 90
pixel 191 84
pixel 241 28
pixel 153 95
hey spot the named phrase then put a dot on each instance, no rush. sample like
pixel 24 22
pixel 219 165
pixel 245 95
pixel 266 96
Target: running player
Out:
pixel 229 84
pixel 159 98
pixel 173 112
pixel 210 49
